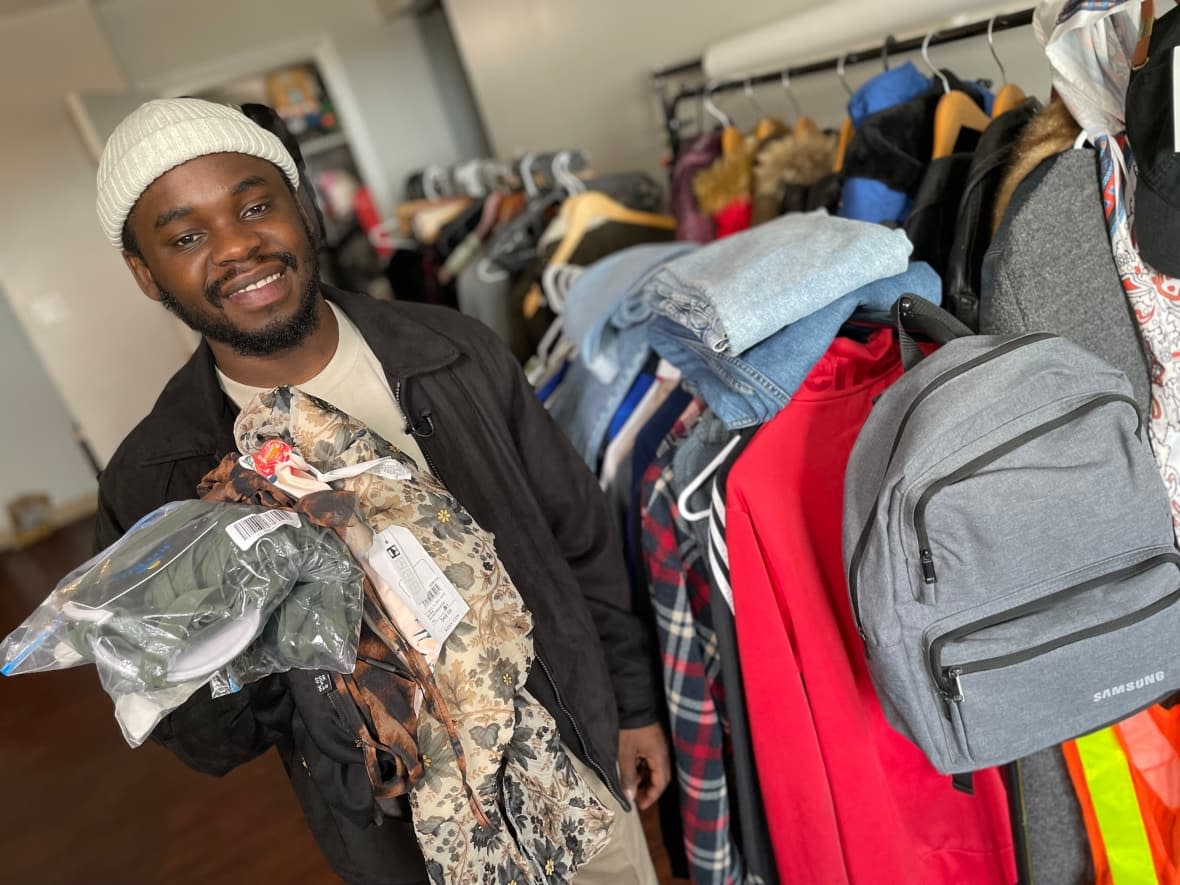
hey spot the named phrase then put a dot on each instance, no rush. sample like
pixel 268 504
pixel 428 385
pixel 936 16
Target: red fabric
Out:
pixel 847 798
pixel 1155 770
pixel 734 217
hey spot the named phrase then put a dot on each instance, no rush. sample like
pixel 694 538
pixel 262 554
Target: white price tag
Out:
pixel 389 468
pixel 415 576
pixel 247 530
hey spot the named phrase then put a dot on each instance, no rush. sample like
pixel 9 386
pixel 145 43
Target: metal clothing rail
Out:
pixel 671 100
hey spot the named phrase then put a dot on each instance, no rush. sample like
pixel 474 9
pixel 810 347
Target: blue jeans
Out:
pixel 751 388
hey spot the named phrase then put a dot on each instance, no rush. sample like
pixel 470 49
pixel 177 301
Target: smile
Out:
pixel 261 292
pixel 257 284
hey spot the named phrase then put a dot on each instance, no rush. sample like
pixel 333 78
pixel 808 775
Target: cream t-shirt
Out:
pixel 354 382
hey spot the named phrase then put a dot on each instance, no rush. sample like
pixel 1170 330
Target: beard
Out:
pixel 278 335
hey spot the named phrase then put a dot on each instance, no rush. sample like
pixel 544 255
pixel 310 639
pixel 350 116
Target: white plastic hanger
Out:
pixel 565 176
pixel 700 479
pixel 526 176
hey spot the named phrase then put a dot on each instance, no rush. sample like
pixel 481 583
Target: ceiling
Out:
pixel 387 8
pixel 8 7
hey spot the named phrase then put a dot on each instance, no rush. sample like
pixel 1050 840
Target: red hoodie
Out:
pixel 847 798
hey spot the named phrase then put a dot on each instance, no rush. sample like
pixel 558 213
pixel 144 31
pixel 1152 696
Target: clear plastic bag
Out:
pixel 197 592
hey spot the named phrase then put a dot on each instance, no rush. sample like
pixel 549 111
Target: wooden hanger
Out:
pixel 769 127
pixel 1007 99
pixel 579 214
pixel 846 128
pixel 842 142
pixel 732 141
pixel 805 126
pixel 956 111
pixel 1010 95
pixel 584 211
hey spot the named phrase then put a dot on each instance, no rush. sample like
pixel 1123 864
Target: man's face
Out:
pixel 226 248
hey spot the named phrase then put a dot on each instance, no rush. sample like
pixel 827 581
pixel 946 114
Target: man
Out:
pixel 201 202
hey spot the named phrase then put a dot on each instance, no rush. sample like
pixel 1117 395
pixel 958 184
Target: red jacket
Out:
pixel 847 798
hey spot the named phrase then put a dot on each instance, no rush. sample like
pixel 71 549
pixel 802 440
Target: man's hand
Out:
pixel 643 763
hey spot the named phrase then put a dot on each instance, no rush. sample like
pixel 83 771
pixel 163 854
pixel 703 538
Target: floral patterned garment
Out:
pixel 509 758
pixel 1092 48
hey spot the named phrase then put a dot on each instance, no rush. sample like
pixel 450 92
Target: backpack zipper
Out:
pixel 975 464
pixel 947 678
pixel 862 542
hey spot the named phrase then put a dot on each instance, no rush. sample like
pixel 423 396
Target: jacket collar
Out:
pixel 194 418
pixel 403 345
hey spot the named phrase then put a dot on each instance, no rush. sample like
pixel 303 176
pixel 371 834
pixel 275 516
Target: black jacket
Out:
pixel 496 449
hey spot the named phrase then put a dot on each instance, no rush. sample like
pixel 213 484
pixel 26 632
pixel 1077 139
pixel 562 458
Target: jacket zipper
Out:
pixel 397 395
pixel 947 678
pixel 347 721
pixel 862 542
pixel 924 553
pixel 582 740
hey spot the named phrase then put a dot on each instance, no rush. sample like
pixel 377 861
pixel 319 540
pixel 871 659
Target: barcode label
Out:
pixel 411 572
pixel 434 592
pixel 247 530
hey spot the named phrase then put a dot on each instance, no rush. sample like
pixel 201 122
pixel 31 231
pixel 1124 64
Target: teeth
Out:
pixel 264 282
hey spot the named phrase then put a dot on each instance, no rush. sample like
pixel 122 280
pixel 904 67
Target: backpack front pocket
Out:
pixel 998 517
pixel 989 672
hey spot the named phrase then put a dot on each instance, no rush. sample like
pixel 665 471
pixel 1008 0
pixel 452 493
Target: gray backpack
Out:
pixel 1008 544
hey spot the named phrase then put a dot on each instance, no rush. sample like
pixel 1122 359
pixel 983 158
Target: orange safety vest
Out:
pixel 1127 778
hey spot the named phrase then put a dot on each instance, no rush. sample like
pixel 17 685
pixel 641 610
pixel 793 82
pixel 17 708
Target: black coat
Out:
pixel 495 448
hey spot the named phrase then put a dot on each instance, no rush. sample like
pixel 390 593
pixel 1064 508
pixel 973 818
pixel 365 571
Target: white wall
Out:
pixel 105 347
pixel 41 455
pixel 398 109
pixel 566 73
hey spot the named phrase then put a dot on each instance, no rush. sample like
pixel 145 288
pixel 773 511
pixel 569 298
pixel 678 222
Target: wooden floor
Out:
pixel 77 805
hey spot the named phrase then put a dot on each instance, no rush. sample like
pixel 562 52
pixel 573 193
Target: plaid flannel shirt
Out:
pixel 691 668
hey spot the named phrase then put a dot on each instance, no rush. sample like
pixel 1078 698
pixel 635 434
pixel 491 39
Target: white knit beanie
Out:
pixel 160 135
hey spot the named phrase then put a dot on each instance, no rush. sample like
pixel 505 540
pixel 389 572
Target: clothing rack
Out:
pixel 670 101
pixel 891 46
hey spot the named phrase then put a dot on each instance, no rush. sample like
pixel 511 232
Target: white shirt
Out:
pixel 354 382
